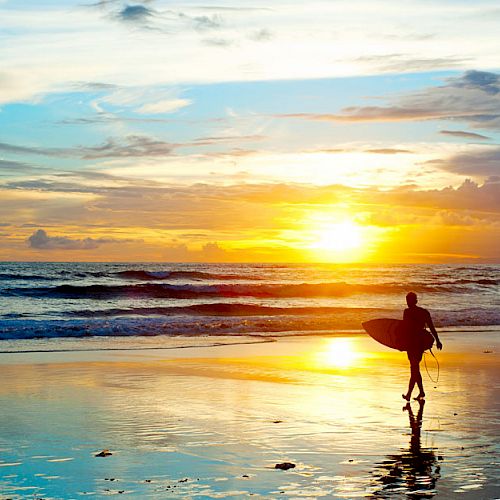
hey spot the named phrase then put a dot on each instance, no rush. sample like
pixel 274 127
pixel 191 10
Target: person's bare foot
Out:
pixel 406 396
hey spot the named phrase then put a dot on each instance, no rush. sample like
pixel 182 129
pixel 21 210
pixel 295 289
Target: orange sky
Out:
pixel 329 132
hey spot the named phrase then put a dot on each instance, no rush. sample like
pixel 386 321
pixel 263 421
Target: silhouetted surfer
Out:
pixel 417 319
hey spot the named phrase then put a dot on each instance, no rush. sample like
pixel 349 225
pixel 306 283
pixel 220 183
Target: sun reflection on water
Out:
pixel 339 353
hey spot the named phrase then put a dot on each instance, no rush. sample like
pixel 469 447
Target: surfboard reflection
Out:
pixel 415 471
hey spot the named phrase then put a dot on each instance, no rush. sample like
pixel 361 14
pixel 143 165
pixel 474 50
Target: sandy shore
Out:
pixel 212 422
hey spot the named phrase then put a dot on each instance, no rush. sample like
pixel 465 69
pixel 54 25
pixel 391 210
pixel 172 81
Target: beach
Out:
pixel 185 418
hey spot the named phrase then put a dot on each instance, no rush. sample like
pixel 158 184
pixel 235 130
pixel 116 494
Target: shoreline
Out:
pixel 210 422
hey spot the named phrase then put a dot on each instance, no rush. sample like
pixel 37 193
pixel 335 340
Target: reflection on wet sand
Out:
pixel 413 472
pixel 213 422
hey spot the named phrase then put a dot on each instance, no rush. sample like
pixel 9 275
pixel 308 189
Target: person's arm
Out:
pixel 433 331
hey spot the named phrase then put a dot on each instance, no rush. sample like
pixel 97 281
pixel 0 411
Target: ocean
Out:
pixel 88 300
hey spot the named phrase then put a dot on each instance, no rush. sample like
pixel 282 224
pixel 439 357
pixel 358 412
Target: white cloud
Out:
pixel 46 50
pixel 164 106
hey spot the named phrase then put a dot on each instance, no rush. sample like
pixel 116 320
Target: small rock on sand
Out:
pixel 284 466
pixel 103 453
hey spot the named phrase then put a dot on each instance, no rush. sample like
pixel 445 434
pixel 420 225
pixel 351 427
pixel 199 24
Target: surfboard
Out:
pixel 395 333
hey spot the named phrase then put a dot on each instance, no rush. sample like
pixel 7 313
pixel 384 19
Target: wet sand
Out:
pixel 212 422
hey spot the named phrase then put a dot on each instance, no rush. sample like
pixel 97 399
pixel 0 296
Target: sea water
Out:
pixel 88 300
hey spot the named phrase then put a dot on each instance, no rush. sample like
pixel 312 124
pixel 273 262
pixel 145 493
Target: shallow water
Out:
pixel 193 427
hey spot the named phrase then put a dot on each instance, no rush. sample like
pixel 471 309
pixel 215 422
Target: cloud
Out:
pixel 218 139
pixel 164 106
pixel 407 62
pixel 40 240
pixel 449 218
pixel 473 97
pixel 143 100
pixel 262 35
pixel 209 252
pixel 469 196
pixel 135 14
pixel 129 146
pixel 486 82
pixel 388 151
pixel 8 167
pixel 110 118
pixel 76 44
pixel 465 135
pixel 485 163
pixel 218 42
pixel 203 23
pixel 14 148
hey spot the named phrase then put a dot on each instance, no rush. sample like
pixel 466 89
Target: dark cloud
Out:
pixel 130 146
pixel 13 148
pixel 40 240
pixel 484 163
pixel 465 135
pixel 135 14
pixel 473 98
pixel 9 167
pixel 486 82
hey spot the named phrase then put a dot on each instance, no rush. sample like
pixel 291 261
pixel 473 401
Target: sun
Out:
pixel 340 237
pixel 339 241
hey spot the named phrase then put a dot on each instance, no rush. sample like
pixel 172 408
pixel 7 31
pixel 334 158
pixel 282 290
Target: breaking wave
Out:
pixel 188 291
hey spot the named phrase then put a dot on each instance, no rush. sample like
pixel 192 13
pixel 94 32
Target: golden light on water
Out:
pixel 339 353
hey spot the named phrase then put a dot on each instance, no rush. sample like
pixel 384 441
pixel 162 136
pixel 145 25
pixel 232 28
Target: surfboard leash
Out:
pixel 427 370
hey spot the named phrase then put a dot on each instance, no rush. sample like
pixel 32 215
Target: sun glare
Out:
pixel 339 353
pixel 338 240
pixel 340 237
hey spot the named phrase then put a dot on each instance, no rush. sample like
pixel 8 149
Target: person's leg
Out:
pixel 413 379
pixel 417 376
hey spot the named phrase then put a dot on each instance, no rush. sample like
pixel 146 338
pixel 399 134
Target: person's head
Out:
pixel 411 299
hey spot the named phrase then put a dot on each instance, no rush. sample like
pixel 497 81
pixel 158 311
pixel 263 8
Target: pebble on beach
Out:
pixel 285 466
pixel 103 453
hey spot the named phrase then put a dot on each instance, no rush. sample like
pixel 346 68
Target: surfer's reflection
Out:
pixel 415 471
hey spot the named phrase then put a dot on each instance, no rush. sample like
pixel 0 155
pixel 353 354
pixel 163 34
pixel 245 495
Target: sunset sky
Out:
pixel 285 131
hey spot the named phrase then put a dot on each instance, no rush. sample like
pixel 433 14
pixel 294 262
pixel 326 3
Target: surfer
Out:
pixel 417 318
